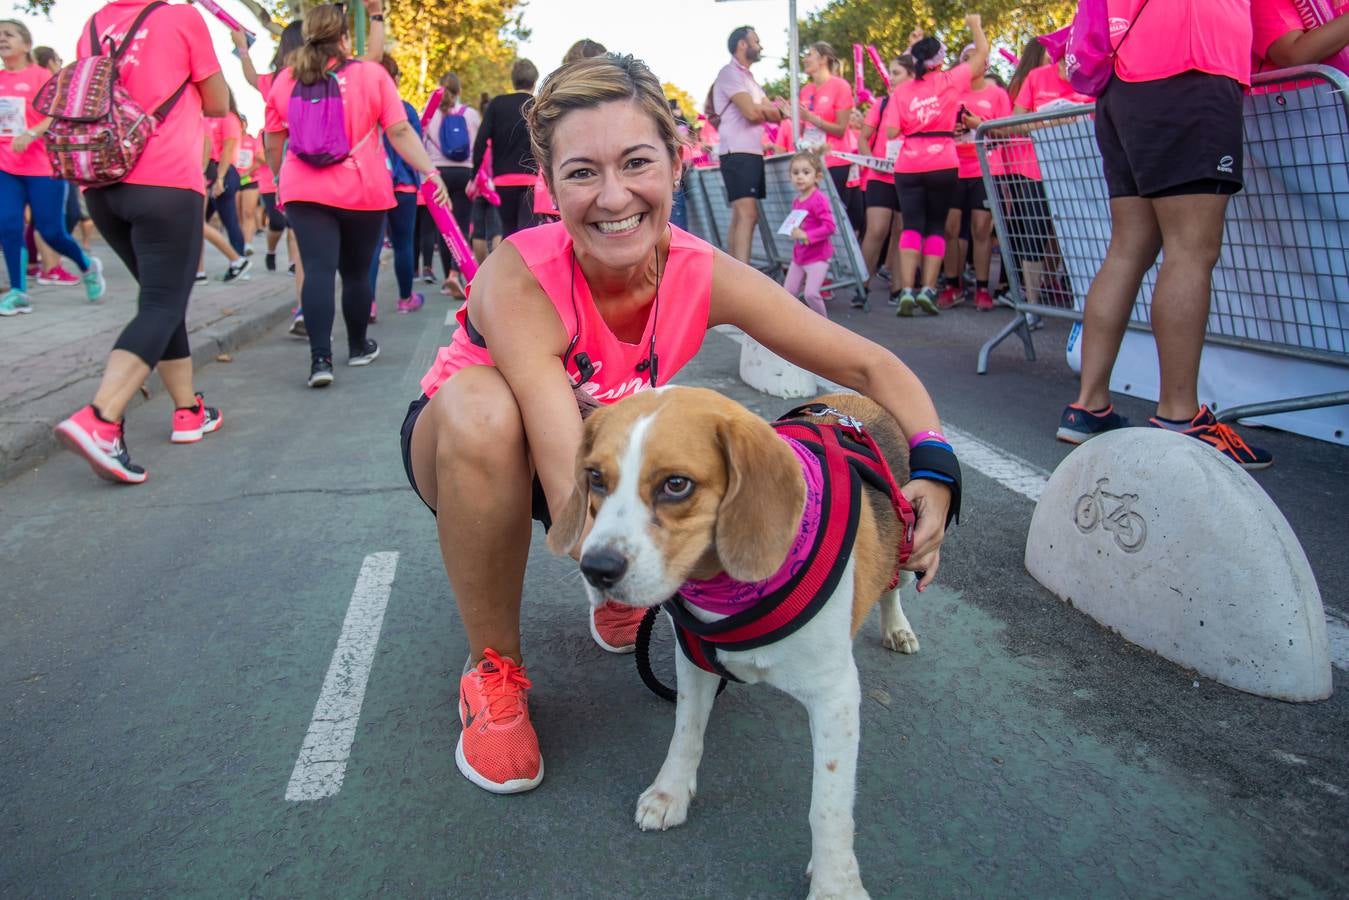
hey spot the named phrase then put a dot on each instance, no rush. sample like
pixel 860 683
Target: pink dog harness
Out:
pixel 759 613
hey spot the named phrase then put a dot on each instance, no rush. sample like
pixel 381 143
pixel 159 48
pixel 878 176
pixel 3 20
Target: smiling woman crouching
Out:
pixel 610 301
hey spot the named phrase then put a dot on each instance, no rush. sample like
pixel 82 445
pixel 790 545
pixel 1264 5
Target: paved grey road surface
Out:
pixel 162 649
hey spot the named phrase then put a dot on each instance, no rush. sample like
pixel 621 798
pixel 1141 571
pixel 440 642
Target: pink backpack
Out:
pixel 98 131
pixel 1087 46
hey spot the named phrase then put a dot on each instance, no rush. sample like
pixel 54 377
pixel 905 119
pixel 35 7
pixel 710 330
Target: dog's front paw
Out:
pixel 901 639
pixel 848 889
pixel 661 807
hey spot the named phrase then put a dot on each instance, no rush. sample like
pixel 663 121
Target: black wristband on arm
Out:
pixel 934 458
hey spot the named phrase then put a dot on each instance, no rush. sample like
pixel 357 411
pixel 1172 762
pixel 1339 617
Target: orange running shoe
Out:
pixel 614 626
pixel 498 749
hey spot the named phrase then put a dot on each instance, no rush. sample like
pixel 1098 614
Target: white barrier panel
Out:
pixel 1158 537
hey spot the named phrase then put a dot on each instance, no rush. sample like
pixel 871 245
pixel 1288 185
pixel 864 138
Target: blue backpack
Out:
pixel 453 135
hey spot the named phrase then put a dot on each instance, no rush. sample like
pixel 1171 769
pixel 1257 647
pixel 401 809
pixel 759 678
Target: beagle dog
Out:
pixel 688 489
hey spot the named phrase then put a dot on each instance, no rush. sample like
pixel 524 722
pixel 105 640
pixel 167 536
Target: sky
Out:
pixel 684 42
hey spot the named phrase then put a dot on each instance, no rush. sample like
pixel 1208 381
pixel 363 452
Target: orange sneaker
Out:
pixel 614 626
pixel 498 749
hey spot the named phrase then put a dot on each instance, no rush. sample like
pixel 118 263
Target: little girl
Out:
pixel 811 250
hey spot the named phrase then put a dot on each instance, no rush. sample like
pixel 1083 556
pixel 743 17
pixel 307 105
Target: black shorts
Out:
pixel 971 194
pixel 251 186
pixel 1177 135
pixel 882 193
pixel 743 175
pixel 538 504
pixel 484 221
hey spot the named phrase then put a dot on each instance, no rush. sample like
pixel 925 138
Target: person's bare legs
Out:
pixel 470 458
pixel 744 216
pixel 1192 235
pixel 931 269
pixel 878 230
pixel 954 259
pixel 981 232
pixel 177 377
pixel 1135 239
pixel 909 261
pixel 218 241
pixel 123 376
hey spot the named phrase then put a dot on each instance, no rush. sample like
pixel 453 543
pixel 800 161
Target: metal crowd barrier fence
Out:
pixel 1281 285
pixel 709 217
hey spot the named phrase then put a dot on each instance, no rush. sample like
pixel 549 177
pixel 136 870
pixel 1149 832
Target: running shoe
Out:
pixel 321 371
pixel 859 301
pixel 411 304
pixel 453 287
pixel 297 324
pixel 927 301
pixel 614 626
pixel 238 269
pixel 366 355
pixel 1223 438
pixel 1078 423
pixel 428 277
pixel 374 311
pixel 248 251
pixel 102 444
pixel 905 302
pixel 983 300
pixel 189 425
pixel 94 283
pixel 15 303
pixel 201 276
pixel 498 749
pixel 883 273
pixel 269 262
pixel 33 269
pixel 57 276
pixel 951 297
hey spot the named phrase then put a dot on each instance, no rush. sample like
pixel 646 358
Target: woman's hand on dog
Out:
pixel 930 501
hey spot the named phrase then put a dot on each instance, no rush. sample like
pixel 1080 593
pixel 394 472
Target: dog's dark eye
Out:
pixel 595 478
pixel 676 487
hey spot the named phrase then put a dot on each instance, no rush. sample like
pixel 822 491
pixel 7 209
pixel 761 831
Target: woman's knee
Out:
pixel 479 421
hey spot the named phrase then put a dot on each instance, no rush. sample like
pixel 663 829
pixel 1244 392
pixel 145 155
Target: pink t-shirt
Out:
pixel 17 116
pixel 738 134
pixel 818 226
pixel 1175 36
pixel 362 180
pixel 725 596
pixel 172 46
pixel 220 130
pixel 830 101
pixel 249 152
pixel 266 180
pixel 929 105
pixel 686 283
pixel 879 141
pixel 1042 87
pixel 989 102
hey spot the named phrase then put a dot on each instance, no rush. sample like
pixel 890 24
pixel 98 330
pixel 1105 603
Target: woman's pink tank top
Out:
pixel 685 293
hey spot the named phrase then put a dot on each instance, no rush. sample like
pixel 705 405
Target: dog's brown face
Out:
pixel 680 482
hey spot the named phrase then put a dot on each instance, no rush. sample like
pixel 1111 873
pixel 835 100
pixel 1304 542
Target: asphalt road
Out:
pixel 162 649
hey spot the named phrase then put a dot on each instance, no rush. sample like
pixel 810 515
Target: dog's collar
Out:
pixel 725 596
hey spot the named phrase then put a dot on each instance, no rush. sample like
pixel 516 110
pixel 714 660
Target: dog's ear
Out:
pixel 765 495
pixel 566 531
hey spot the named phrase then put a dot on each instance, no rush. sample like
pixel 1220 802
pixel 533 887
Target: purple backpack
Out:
pixel 317 120
pixel 1087 46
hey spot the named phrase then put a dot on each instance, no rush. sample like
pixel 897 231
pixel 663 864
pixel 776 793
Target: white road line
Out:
pixel 323 758
pixel 1337 634
pixel 1010 471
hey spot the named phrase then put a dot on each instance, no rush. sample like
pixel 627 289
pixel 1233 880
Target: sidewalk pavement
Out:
pixel 55 355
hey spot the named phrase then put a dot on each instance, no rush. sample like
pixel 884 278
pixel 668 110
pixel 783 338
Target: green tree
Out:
pixel 475 39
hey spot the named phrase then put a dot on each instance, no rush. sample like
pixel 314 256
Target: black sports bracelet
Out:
pixel 938 459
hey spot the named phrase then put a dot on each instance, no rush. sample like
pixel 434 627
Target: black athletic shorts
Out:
pixel 538 505
pixel 1178 135
pixel 743 175
pixel 882 193
pixel 484 221
pixel 971 194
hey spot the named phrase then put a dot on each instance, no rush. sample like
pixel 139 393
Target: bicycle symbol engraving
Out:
pixel 1127 526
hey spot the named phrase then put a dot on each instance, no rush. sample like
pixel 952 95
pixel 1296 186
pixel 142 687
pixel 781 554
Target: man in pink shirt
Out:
pixel 1169 129
pixel 743 108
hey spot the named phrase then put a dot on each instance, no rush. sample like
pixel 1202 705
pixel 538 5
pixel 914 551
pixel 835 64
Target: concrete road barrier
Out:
pixel 1158 537
pixel 763 370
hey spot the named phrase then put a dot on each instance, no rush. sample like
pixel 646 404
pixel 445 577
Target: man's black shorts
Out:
pixel 743 176
pixel 1177 135
pixel 882 193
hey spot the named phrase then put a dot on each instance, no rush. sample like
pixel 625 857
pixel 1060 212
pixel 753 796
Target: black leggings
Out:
pixel 156 233
pixel 342 242
pixel 517 208
pixel 925 198
pixel 276 219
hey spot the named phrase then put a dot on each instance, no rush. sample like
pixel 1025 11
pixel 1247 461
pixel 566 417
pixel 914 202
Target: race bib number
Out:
pixel 245 159
pixel 892 147
pixel 792 222
pixel 813 138
pixel 13 116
